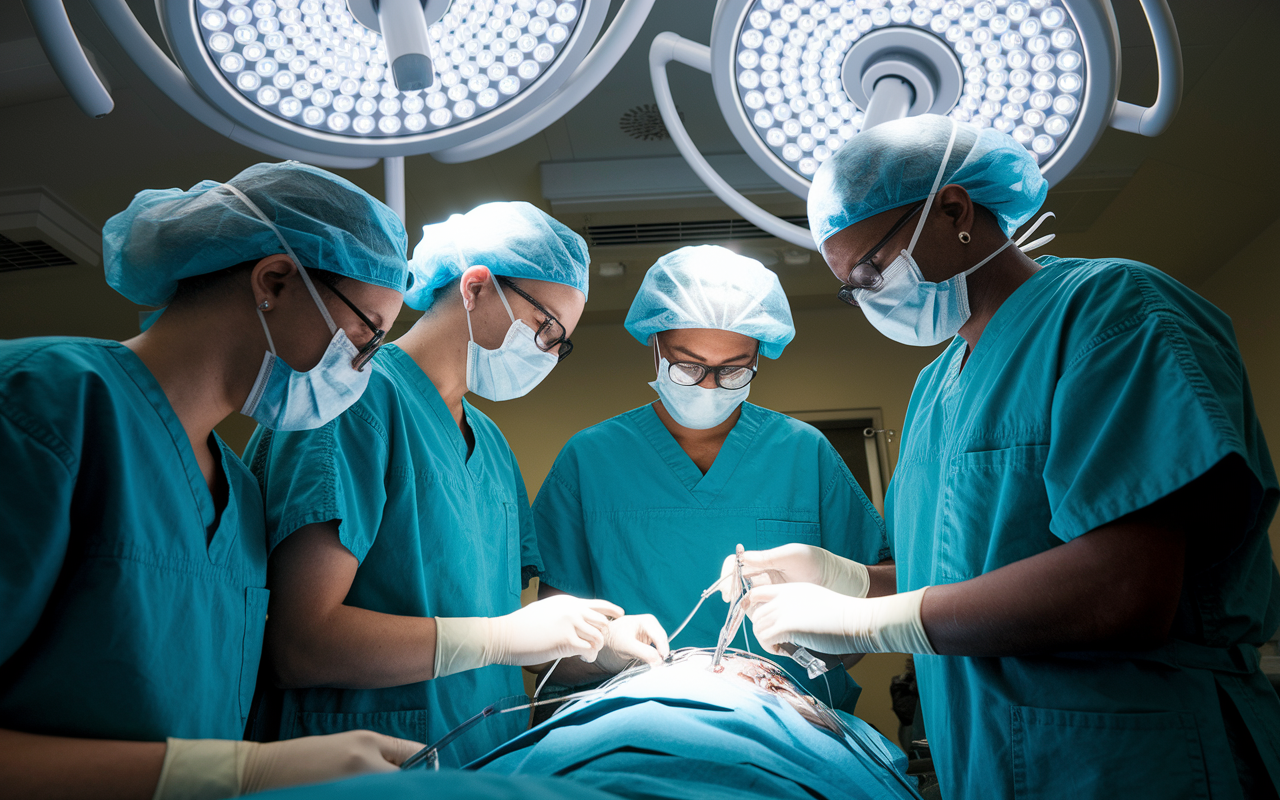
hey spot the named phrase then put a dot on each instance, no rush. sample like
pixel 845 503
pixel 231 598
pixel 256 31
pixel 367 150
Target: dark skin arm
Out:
pixel 37 767
pixel 1114 588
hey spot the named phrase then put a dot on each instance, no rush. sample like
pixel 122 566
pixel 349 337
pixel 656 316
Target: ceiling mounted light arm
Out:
pixel 604 56
pixel 68 58
pixel 153 62
pixel 1154 120
pixel 668 47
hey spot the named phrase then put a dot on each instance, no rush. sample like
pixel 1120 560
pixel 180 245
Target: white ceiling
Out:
pixel 1185 202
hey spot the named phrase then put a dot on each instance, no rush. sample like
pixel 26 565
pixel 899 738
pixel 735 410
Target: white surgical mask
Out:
pixel 693 406
pixel 283 399
pixel 907 308
pixel 513 369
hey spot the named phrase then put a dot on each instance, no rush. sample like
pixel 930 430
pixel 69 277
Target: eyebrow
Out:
pixel 699 356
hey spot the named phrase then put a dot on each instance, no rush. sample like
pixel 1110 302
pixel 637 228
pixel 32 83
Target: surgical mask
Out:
pixel 283 399
pixel 693 406
pixel 909 309
pixel 513 369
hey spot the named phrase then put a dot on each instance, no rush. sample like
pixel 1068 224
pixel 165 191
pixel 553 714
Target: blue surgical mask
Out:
pixel 513 369
pixel 283 399
pixel 907 308
pixel 693 406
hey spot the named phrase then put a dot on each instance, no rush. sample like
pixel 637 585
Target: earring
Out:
pixel 264 305
pixel 965 237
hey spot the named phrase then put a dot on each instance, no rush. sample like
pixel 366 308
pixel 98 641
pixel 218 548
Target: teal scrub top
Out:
pixel 123 618
pixel 627 516
pixel 437 533
pixel 1097 388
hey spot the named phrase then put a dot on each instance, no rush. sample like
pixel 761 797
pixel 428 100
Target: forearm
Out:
pixel 37 767
pixel 353 648
pixel 1108 589
pixel 883 579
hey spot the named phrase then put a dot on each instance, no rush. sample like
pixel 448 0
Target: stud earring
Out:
pixel 965 237
pixel 264 305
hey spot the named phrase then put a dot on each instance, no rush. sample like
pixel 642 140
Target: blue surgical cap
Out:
pixel 711 287
pixel 166 235
pixel 514 240
pixel 895 163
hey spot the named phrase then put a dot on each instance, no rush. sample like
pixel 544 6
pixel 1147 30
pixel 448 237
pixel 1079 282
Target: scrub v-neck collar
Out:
pixel 205 510
pixel 440 409
pixel 996 326
pixel 703 488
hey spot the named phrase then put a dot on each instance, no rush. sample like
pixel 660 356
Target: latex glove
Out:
pixel 635 637
pixel 542 631
pixel 824 621
pixel 208 769
pixel 797 563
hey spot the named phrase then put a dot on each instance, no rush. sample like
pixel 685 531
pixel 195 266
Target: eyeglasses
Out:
pixel 846 291
pixel 551 333
pixel 688 373
pixel 367 352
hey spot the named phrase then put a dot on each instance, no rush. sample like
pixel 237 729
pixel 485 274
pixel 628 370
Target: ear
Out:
pixel 474 281
pixel 269 277
pixel 954 202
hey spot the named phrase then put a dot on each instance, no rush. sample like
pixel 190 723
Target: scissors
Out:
pixel 736 611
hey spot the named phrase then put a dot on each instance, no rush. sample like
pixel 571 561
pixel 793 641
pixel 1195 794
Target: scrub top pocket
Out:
pixel 1088 756
pixel 777 532
pixel 994 504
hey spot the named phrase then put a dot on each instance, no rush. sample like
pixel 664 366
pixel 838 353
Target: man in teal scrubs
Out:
pixel 400 534
pixel 132 597
pixel 644 507
pixel 1080 507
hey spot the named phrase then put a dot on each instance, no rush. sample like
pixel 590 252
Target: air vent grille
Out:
pixel 679 232
pixel 29 255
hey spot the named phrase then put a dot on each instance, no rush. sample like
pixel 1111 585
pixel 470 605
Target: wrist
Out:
pixel 844 575
pixel 897 625
pixel 200 769
pixel 465 643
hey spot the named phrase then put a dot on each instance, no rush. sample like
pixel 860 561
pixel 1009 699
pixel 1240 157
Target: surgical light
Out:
pixel 796 79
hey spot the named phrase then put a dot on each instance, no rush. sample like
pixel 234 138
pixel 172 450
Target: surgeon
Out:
pixel 132 581
pixel 399 533
pixel 1080 508
pixel 644 507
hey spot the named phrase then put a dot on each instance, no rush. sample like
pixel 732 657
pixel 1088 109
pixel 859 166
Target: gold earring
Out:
pixel 965 237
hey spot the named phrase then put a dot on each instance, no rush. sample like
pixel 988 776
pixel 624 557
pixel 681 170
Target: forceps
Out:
pixel 736 611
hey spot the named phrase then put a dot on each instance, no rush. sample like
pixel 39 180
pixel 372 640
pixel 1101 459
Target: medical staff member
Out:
pixel 133 569
pixel 399 533
pixel 643 507
pixel 1080 508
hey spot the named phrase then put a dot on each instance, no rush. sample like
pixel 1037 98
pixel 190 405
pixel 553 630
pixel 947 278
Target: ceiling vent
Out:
pixel 679 232
pixel 39 230
pixel 645 123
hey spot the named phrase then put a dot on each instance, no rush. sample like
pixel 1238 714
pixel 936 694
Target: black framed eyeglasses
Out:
pixel 689 373
pixel 551 333
pixel 370 349
pixel 845 294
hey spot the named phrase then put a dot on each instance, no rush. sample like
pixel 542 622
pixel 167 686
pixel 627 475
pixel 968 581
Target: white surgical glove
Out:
pixel 542 631
pixel 635 637
pixel 827 622
pixel 211 769
pixel 797 563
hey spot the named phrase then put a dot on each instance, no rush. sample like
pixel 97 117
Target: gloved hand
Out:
pixel 542 631
pixel 824 621
pixel 631 638
pixel 209 769
pixel 797 563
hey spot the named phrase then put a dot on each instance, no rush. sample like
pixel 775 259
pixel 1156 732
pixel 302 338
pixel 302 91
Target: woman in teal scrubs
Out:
pixel 1080 507
pixel 399 534
pixel 132 582
pixel 644 507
